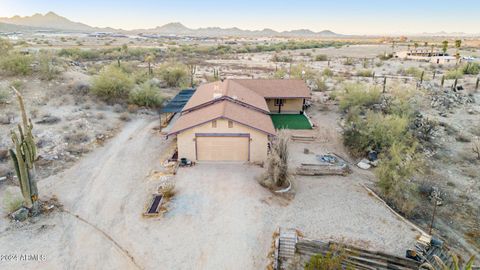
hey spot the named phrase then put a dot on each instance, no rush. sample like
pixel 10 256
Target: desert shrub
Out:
pixel 327 72
pixel 5 46
pixel 277 172
pixel 320 85
pixel 17 64
pixel 375 132
pixel 174 74
pixel 48 66
pixel 398 165
pixel 147 95
pixel 80 54
pixel 18 84
pixel 280 74
pixel 282 58
pixel 358 95
pixel 334 259
pixel 321 57
pixel 453 74
pixel 302 71
pixel 4 95
pixel 11 202
pixel 112 84
pixel 471 68
pixel 411 71
pixel 76 137
pixel 167 189
pixel 365 73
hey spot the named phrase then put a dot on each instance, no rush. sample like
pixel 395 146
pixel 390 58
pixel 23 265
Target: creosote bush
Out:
pixel 48 66
pixel 16 64
pixel 454 74
pixel 376 132
pixel 321 57
pixel 358 95
pixel 112 84
pixel 147 95
pixel 399 164
pixel 365 73
pixel 174 74
pixel 4 95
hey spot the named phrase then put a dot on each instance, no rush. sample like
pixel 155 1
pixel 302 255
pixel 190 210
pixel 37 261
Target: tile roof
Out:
pixel 228 110
pixel 276 88
pixel 210 92
pixel 239 100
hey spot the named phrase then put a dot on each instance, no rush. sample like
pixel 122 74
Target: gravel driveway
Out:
pixel 220 217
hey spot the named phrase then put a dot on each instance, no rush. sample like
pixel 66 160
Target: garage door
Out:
pixel 222 148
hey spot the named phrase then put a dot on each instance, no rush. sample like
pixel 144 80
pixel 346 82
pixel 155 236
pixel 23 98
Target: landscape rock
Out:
pixel 364 164
pixel 21 214
pixel 4 120
pixel 48 119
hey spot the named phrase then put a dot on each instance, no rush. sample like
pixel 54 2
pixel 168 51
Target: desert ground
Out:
pixel 101 160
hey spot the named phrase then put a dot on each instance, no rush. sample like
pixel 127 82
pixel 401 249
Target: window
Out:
pixel 214 123
pixel 278 102
pixel 230 124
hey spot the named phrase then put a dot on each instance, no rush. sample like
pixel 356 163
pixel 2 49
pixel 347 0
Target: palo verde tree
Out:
pixel 444 46
pixel 24 156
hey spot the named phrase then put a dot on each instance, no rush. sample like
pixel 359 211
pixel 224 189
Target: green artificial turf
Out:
pixel 290 121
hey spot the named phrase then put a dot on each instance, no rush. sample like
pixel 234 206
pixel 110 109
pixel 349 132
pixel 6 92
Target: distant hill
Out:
pixel 6 27
pixel 51 21
pixel 180 29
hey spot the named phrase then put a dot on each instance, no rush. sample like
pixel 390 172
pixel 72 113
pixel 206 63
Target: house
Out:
pixel 434 57
pixel 230 120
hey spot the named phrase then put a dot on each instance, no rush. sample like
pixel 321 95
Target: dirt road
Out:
pixel 108 189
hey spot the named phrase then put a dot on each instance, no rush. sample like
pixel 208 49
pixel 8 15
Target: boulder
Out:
pixel 21 214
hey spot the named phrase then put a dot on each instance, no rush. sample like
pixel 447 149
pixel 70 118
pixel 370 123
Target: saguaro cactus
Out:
pixel 23 156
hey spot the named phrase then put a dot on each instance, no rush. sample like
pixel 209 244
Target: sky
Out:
pixel 341 16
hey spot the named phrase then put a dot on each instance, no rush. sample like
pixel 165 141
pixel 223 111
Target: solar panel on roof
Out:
pixel 179 101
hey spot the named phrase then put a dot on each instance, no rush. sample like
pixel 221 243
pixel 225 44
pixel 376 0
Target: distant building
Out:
pixel 435 57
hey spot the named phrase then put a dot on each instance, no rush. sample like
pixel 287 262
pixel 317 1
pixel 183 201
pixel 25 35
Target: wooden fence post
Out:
pixel 443 80
pixel 476 84
pixel 384 83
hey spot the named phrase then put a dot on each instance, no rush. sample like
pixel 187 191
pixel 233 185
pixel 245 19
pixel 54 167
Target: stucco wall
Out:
pixel 258 140
pixel 293 105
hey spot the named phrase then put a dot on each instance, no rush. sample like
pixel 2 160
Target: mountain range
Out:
pixel 52 21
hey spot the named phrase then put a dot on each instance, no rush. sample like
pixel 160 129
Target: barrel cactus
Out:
pixel 23 156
